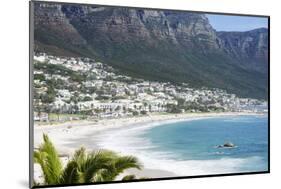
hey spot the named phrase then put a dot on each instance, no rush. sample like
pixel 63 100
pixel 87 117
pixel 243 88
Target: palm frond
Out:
pixel 80 154
pixel 70 173
pixel 121 163
pixel 96 161
pixel 126 162
pixel 101 175
pixel 38 157
pixel 97 166
pixel 80 157
pixel 49 161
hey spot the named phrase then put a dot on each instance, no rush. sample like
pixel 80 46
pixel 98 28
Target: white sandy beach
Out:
pixel 69 136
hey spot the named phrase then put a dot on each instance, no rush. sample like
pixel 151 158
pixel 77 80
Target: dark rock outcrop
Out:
pixel 250 47
pixel 227 145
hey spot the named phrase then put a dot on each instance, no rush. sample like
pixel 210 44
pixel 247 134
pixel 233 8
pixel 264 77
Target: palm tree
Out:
pixel 102 165
pixel 96 166
pixel 47 157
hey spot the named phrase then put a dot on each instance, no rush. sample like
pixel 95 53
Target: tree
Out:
pixel 96 166
pixel 118 108
pixel 172 108
pixel 40 77
pixel 135 113
pixel 58 112
pixel 150 107
pixel 145 104
pixel 143 112
pixel 49 97
pixel 87 98
pixel 124 109
pixel 47 157
pixel 38 107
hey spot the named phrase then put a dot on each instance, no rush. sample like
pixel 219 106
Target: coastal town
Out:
pixel 74 88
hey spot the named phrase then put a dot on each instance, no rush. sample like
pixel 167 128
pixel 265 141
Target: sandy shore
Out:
pixel 69 136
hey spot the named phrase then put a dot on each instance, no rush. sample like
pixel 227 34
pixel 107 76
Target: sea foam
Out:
pixel 130 141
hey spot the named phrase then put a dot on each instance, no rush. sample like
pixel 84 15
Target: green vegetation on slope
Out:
pixel 192 58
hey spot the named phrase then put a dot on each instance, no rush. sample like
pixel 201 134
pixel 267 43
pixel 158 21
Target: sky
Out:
pixel 236 23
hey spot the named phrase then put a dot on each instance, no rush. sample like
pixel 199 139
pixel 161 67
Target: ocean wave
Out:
pixel 245 119
pixel 130 141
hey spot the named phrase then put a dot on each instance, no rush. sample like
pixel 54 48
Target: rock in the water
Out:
pixel 228 145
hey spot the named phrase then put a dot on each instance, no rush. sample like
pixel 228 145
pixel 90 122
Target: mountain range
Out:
pixel 163 45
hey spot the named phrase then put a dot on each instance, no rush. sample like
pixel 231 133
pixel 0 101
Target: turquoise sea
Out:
pixel 190 147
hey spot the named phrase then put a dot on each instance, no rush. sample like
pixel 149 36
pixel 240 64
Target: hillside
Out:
pixel 157 45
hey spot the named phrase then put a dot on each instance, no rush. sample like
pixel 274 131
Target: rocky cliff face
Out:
pixel 122 24
pixel 168 45
pixel 125 24
pixel 250 47
pixel 50 18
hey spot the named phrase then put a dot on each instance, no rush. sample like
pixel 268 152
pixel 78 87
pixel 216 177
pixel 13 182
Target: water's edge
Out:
pixel 136 141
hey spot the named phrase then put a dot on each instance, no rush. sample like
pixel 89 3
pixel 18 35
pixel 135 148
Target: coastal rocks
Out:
pixel 227 145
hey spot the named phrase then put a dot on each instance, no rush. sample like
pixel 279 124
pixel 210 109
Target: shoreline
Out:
pixel 150 117
pixel 69 136
pixel 63 134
